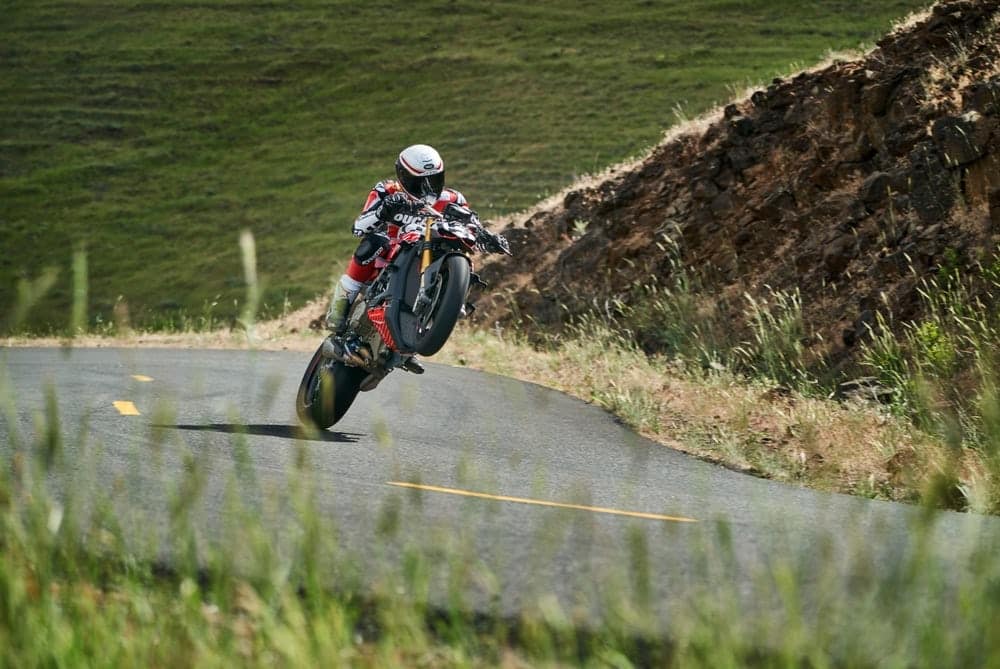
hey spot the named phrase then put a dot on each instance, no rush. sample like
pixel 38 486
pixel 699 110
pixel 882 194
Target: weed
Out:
pixel 672 316
pixel 776 350
pixel 942 371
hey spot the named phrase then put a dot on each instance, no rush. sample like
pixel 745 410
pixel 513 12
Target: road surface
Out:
pixel 526 491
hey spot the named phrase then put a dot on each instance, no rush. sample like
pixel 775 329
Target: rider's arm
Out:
pixel 369 219
pixel 455 197
pixel 458 208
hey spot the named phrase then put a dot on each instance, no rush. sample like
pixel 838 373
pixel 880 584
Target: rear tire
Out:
pixel 327 391
pixel 436 326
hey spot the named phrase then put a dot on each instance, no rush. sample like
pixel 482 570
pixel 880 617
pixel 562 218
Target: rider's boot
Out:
pixel 344 292
pixel 412 365
pixel 340 301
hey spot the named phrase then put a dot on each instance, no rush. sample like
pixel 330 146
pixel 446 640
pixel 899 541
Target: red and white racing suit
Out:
pixel 357 274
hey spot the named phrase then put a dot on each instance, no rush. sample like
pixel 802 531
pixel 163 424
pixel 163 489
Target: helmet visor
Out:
pixel 423 187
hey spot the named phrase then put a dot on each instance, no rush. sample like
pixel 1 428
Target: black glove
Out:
pixel 396 204
pixel 457 212
pixel 491 243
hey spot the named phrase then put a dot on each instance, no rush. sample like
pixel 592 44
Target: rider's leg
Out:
pixel 360 270
pixel 344 292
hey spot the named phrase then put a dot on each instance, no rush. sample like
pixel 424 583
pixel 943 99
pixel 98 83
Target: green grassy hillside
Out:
pixel 151 133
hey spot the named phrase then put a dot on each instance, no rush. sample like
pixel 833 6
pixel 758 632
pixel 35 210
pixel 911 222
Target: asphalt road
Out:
pixel 534 492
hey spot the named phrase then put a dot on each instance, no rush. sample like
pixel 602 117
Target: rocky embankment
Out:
pixel 848 183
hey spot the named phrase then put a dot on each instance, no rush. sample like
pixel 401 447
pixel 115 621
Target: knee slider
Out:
pixel 370 247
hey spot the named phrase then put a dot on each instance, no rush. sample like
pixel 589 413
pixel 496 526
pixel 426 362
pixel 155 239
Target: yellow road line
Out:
pixel 126 408
pixel 539 502
pixel 142 377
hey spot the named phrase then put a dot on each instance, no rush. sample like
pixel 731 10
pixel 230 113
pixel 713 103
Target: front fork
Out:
pixel 423 299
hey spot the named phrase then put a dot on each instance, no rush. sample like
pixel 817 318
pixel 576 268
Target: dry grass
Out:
pixel 851 447
pixel 290 333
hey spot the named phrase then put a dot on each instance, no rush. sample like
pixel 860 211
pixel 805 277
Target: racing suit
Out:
pixel 361 269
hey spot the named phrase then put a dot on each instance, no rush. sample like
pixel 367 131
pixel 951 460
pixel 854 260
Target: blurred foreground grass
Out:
pixel 87 576
pixel 90 577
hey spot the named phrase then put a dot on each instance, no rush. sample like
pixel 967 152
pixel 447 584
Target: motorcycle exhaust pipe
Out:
pixel 360 357
pixel 353 359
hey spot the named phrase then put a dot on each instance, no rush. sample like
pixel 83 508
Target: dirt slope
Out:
pixel 848 183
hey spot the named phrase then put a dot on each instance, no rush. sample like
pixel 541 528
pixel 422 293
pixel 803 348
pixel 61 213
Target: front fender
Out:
pixel 435 267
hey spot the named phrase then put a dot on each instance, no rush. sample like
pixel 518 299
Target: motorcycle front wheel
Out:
pixel 451 285
pixel 327 391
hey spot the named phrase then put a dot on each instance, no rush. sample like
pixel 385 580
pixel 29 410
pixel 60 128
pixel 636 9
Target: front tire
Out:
pixel 450 289
pixel 327 391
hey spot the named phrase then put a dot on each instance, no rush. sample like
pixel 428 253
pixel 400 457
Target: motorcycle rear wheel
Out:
pixel 327 391
pixel 452 286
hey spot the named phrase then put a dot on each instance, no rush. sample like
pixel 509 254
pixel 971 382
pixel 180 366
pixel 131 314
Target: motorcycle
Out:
pixel 410 308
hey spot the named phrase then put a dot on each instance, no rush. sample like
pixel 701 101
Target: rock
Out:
pixel 722 204
pixel 741 157
pixel 875 98
pixel 712 165
pixel 931 231
pixel 847 182
pixel 902 137
pixel 983 97
pixel 961 139
pixel 864 323
pixel 860 150
pixel 519 239
pixel 742 126
pixel 779 95
pixel 899 180
pixel 767 122
pixel 900 203
pixel 573 200
pixel 652 169
pixel 776 204
pixel 536 218
pixel 806 261
pixel 742 238
pixel 994 206
pixel 821 175
pixel 875 189
pixel 865 387
pixel 888 267
pixel 833 206
pixel 704 189
pixel 838 254
pixel 725 179
pixel 932 186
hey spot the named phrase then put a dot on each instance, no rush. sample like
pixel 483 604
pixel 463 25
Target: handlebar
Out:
pixel 486 241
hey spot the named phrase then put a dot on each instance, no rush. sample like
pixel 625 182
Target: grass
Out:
pixel 86 577
pixel 943 373
pixel 151 134
pixel 80 583
pixel 749 424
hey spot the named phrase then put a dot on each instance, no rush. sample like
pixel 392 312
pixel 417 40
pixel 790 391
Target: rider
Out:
pixel 390 205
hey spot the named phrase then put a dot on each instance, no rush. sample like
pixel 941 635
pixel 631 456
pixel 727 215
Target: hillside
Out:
pixel 849 184
pixel 150 134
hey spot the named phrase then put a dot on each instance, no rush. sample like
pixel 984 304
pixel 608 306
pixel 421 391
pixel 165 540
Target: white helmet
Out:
pixel 420 171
